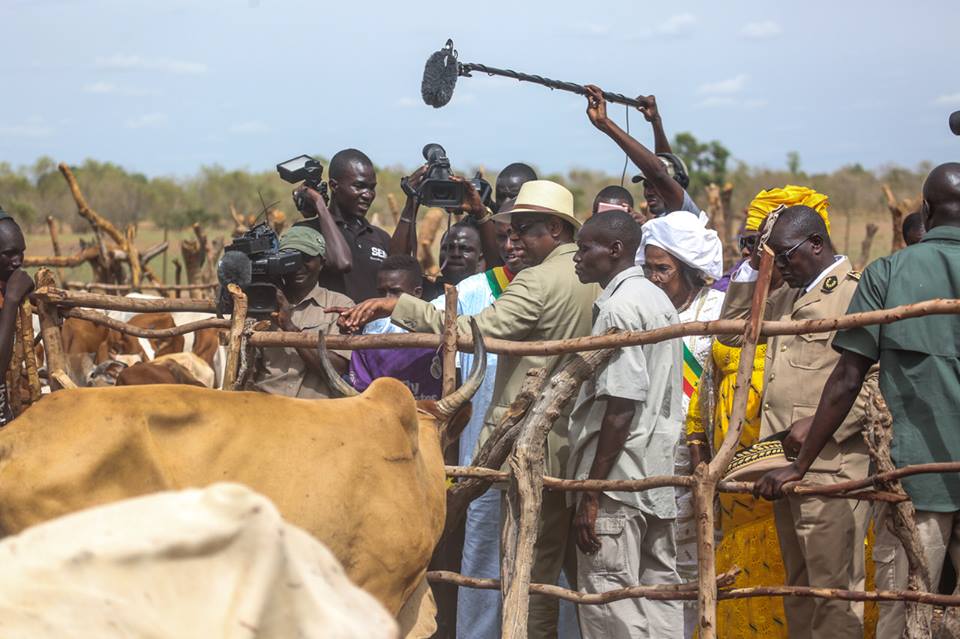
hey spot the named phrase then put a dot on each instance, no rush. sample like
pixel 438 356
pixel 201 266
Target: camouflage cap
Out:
pixel 305 239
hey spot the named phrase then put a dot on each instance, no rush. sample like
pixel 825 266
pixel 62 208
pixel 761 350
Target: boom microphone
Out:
pixel 442 69
pixel 234 268
pixel 955 122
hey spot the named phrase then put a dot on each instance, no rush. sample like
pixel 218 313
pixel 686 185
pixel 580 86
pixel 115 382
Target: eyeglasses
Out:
pixel 782 259
pixel 748 242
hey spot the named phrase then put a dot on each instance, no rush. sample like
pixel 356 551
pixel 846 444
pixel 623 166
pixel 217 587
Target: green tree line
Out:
pixel 33 192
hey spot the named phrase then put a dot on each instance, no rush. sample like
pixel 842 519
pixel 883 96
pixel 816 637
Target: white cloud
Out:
pixel 249 128
pixel 137 63
pixel 34 127
pixel 952 99
pixel 407 102
pixel 108 88
pixel 761 30
pixel 731 85
pixel 677 24
pixel 146 121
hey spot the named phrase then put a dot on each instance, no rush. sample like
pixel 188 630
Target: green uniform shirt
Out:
pixel 919 360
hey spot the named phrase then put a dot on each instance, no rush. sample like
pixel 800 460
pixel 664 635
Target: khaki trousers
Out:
pixel 554 552
pixel 635 549
pixel 822 542
pixel 939 535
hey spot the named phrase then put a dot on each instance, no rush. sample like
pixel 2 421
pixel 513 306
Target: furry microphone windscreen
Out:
pixel 955 122
pixel 234 268
pixel 439 78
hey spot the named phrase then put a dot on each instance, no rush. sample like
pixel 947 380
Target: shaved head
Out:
pixel 613 194
pixel 941 196
pixel 510 179
pixel 616 225
pixel 343 160
pixel 798 222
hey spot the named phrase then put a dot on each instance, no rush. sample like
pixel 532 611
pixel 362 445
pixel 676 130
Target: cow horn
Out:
pixel 336 383
pixel 449 405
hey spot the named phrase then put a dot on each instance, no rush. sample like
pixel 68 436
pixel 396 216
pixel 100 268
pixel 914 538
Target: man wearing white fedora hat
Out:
pixel 544 301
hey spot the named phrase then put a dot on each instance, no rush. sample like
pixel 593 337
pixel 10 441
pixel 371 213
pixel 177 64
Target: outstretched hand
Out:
pixel 353 319
pixel 472 204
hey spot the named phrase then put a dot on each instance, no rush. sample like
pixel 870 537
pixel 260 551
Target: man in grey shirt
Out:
pixel 625 426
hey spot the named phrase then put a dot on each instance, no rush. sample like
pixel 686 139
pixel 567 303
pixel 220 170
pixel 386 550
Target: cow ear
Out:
pixel 457 422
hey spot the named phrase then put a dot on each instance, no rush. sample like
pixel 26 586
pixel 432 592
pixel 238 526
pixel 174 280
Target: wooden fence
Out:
pixel 519 440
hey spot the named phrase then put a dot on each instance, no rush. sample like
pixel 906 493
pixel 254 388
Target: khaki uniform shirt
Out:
pixel 281 371
pixel 797 366
pixel 543 302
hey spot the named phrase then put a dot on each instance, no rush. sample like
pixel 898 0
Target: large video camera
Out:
pixel 437 189
pixel 304 168
pixel 256 264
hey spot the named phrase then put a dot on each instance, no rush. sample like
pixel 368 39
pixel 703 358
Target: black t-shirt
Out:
pixel 369 246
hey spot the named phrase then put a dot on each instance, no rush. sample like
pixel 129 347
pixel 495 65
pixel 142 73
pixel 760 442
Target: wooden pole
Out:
pixel 96 220
pixel 896 219
pixel 55 242
pixel 525 492
pixel 29 352
pixel 616 340
pixel 449 339
pixel 237 321
pixel 149 333
pixel 707 476
pixel 117 303
pixel 133 258
pixel 163 269
pixel 50 331
pixel 15 372
pixel 865 247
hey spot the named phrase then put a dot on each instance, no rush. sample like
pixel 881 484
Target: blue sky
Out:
pixel 165 87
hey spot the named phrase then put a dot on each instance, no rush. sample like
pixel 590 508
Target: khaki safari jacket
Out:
pixel 543 302
pixel 797 366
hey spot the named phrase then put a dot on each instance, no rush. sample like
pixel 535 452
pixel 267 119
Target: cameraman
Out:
pixel 353 187
pixel 509 181
pixel 297 372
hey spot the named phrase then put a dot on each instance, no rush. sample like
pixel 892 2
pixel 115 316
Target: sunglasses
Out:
pixel 748 241
pixel 782 259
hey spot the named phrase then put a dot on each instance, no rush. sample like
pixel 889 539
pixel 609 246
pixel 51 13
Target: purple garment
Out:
pixel 724 282
pixel 419 368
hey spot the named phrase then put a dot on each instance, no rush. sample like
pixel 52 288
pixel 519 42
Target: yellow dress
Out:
pixel 749 532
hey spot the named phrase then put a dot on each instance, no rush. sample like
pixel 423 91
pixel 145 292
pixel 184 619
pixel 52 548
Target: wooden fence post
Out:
pixel 29 351
pixel 449 348
pixel 237 321
pixel 50 332
pixel 525 492
pixel 707 476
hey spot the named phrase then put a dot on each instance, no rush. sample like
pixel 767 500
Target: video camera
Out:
pixel 304 168
pixel 437 189
pixel 255 263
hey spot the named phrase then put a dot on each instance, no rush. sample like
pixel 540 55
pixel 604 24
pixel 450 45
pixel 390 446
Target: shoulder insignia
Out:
pixel 830 283
pixel 854 275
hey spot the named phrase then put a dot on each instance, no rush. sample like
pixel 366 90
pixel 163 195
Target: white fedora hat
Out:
pixel 542 196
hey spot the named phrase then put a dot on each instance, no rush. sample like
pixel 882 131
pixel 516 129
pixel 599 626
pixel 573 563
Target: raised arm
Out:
pixel 404 238
pixel 652 115
pixel 338 257
pixel 652 167
pixel 18 286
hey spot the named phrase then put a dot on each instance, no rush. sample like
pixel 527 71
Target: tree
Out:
pixel 793 162
pixel 706 161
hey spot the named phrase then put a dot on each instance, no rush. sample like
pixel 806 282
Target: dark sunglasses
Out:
pixel 748 241
pixel 782 259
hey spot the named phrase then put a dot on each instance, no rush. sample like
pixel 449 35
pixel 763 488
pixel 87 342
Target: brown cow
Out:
pixel 165 371
pixel 362 474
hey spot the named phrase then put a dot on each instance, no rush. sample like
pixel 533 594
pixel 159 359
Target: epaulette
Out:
pixel 855 275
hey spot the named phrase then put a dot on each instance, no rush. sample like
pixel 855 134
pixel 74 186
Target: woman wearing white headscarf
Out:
pixel 683 257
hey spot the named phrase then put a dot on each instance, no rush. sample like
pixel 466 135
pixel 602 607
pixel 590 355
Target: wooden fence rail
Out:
pixel 525 476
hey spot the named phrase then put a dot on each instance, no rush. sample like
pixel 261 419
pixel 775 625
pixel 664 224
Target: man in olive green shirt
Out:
pixel 920 381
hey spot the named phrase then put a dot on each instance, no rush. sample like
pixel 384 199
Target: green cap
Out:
pixel 308 241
